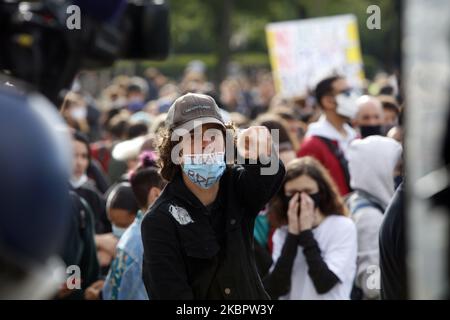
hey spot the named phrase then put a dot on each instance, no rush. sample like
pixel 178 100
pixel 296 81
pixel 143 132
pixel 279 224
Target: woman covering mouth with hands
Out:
pixel 314 251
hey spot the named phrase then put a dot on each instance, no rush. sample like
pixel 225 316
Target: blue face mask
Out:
pixel 117 231
pixel 136 106
pixel 204 170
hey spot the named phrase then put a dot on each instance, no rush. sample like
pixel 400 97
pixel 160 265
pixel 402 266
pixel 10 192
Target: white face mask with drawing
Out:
pixel 204 170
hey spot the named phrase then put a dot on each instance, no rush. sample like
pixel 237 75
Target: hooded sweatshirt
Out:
pixel 371 165
pixel 315 147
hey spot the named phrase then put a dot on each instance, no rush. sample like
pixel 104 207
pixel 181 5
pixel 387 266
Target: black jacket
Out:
pixel 209 255
pixel 79 245
pixel 393 250
pixel 98 205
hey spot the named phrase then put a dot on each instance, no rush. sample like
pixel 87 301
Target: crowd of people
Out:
pixel 314 225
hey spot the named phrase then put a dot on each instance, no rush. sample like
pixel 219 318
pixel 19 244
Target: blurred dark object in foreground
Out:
pixel 39 47
pixel 35 168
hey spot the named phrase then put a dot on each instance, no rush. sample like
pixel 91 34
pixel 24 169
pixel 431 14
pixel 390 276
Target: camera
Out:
pixel 37 45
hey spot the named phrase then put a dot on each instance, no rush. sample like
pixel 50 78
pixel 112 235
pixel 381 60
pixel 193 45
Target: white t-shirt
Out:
pixel 336 237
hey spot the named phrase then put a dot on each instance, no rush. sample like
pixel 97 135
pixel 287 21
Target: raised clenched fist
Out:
pixel 254 143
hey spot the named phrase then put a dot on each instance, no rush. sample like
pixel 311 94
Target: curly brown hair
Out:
pixel 168 168
pixel 330 200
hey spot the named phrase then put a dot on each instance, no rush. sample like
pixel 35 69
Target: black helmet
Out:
pixel 35 163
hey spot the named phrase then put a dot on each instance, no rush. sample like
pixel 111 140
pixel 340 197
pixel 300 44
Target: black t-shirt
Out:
pixel 217 219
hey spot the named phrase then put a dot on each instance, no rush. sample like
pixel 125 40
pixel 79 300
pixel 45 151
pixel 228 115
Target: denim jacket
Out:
pixel 124 280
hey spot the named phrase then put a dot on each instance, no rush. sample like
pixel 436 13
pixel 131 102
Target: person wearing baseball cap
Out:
pixel 193 109
pixel 198 235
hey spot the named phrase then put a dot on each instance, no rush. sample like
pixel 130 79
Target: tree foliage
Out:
pixel 196 25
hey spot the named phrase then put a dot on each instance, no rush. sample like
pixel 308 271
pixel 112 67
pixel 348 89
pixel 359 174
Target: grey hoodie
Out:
pixel 371 165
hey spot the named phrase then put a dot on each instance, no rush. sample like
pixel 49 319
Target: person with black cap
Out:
pixel 124 281
pixel 121 207
pixel 198 235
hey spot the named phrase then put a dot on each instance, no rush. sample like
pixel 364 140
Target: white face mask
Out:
pixel 119 103
pixel 78 113
pixel 76 183
pixel 346 104
pixel 204 170
pixel 117 231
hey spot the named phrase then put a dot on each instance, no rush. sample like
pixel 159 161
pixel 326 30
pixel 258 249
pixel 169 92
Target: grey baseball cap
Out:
pixel 192 110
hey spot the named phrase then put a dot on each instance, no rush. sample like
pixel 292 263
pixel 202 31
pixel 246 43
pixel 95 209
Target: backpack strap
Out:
pixel 363 202
pixel 337 152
